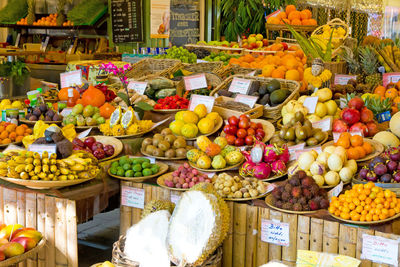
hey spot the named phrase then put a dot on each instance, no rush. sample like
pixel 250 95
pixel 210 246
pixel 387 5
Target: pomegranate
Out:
pixel 350 115
pixel 356 103
pixel 366 115
pixel 372 128
pixel 359 127
pixel 339 126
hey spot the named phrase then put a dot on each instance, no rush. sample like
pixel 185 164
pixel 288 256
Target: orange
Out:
pixel 286 21
pixel 294 15
pixel 282 15
pixel 367 148
pixel 20 130
pixel 12 136
pixel 343 141
pixel 392 93
pixel 267 70
pixel 380 90
pixel 306 14
pixel 273 20
pixel 352 206
pixel 392 212
pixel 278 74
pixel 332 210
pixel 4 135
pixel 356 140
pixel 396 100
pixel 337 212
pixel 375 217
pixel 10 128
pixel 28 131
pixel 295 21
pixel 293 75
pixel 344 215
pixel 6 141
pixel 387 193
pixel 299 53
pixel 368 217
pixel 355 217
pixel 19 138
pixel 312 22
pixel 282 68
pixel 290 8
pixel 362 197
pixel 362 218
pixel 352 153
pixel 291 63
pixel 360 151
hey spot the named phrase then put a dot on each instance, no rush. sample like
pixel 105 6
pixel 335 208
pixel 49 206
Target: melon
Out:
pixel 394 124
pixel 387 138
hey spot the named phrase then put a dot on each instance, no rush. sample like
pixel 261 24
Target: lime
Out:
pixel 146 165
pixel 115 117
pixel 120 171
pixel 137 168
pixel 123 160
pixel 129 173
pixel 145 160
pixel 135 161
pixel 115 164
pixel 138 174
pixel 155 169
pixel 127 166
pixel 113 170
pixel 147 172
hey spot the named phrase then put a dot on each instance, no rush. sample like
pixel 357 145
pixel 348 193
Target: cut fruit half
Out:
pixel 115 117
pixel 128 118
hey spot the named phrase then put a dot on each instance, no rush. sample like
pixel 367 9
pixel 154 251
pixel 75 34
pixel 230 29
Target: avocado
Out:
pixel 263 89
pixel 277 96
pixel 255 94
pixel 255 85
pixel 224 92
pixel 287 92
pixel 273 85
pixel 264 100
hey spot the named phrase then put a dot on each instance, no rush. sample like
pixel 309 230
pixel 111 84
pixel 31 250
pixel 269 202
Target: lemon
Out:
pixel 128 118
pixel 331 107
pixel 200 110
pixel 206 125
pixel 190 117
pixel 179 115
pixel 320 110
pixel 214 116
pixel 176 127
pixel 17 104
pixel 189 130
pixel 115 117
pixel 5 102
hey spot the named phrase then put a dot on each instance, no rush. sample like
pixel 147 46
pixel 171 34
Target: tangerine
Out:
pixel 4 135
pixel 20 130
pixel 391 93
pixel 361 151
pixel 278 74
pixel 312 22
pixel 380 90
pixel 289 9
pixel 352 153
pixel 295 21
pixel 11 128
pixel 282 15
pixel 343 141
pixel 294 15
pixel 12 136
pixel 6 141
pixel 293 75
pixel 356 140
pixel 19 138
pixel 291 63
pixel 305 14
pixel 367 148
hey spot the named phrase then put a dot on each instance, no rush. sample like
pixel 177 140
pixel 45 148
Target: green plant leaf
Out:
pixel 144 106
pixel 124 97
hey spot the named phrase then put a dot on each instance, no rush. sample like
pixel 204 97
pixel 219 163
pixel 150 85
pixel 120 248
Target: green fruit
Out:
pixel 120 171
pixel 135 161
pixel 138 174
pixel 147 172
pixel 123 160
pixel 155 169
pixel 137 168
pixel 127 166
pixel 146 165
pixel 113 170
pixel 278 96
pixel 115 164
pixel 129 173
pixel 273 85
pixel 144 160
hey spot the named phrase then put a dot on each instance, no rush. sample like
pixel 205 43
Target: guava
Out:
pixel 88 111
pixel 77 109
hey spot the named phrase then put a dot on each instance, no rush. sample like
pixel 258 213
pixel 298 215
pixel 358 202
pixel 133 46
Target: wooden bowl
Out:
pixel 365 222
pixel 378 149
pixel 268 128
pixel 168 111
pixel 161 182
pixel 216 170
pixel 320 143
pixel 16 259
pixel 6 145
pixel 34 122
pixel 268 201
pixel 40 184
pixel 109 140
pixel 332 186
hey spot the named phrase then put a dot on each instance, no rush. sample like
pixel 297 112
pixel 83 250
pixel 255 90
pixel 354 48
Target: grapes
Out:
pixel 179 53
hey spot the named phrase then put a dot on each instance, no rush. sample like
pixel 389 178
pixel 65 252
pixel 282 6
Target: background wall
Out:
pixel 3 31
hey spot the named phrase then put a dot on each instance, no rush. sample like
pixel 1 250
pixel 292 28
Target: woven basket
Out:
pixel 216 48
pixel 336 68
pixel 212 79
pixel 149 66
pixel 335 23
pixel 119 258
pixel 235 70
pixel 272 113
pixel 213 67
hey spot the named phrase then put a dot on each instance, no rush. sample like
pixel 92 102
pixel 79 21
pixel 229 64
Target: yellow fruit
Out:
pixel 202 142
pixel 190 117
pixel 179 115
pixel 320 110
pixel 331 107
pixel 206 126
pixel 189 130
pixel 214 116
pixel 176 127
pixel 200 110
pixel 204 162
pixel 17 104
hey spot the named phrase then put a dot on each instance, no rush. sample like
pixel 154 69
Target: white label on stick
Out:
pixel 318 149
pixel 240 86
pixel 84 133
pixel 175 197
pixel 246 99
pixel 194 82
pixel 132 197
pixel 139 87
pixel 325 124
pixel 379 249
pixel 275 232
pixel 336 190
pixel 208 101
pixel 311 103
pixel 72 78
pixel 293 149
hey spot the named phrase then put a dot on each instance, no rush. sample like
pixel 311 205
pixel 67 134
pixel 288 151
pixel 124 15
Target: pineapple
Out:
pixel 369 63
pixel 60 12
pixel 351 58
pixel 30 19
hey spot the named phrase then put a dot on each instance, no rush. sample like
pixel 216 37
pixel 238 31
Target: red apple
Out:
pixel 265 42
pixel 285 46
pixel 27 242
pixel 253 45
pixel 244 124
pixel 259 44
pixel 245 45
pixel 241 133
pixel 249 140
pixel 251 131
pixel 243 116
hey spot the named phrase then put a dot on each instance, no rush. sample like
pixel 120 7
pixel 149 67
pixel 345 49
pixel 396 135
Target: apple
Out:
pixel 12 249
pixel 235 46
pixel 27 242
pixel 2 256
pixel 259 37
pixel 8 230
pixel 3 241
pixel 35 235
pixel 259 44
pixel 285 46
pixel 265 42
pixel 252 40
pixel 245 45
pixel 253 45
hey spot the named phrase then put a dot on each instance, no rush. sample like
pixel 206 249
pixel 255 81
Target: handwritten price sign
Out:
pixel 380 249
pixel 132 197
pixel 275 232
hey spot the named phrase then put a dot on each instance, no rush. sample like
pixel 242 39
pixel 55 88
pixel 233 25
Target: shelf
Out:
pixel 78 27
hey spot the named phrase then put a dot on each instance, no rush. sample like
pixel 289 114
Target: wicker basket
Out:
pixel 216 49
pixel 254 113
pixel 119 258
pixel 212 79
pixel 336 68
pixel 281 28
pixel 272 113
pixel 335 23
pixel 159 67
pixel 213 67
pixel 235 70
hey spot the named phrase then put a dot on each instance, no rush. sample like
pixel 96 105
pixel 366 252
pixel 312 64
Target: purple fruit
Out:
pixel 375 161
pixel 380 169
pixel 386 178
pixel 392 165
pixel 371 176
pixel 396 176
pixel 362 175
pixel 394 154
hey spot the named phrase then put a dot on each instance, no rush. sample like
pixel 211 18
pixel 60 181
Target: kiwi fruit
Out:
pixel 319 136
pixel 180 142
pixel 307 123
pixel 312 141
pixel 158 153
pixel 150 149
pixel 164 145
pixel 301 133
pixel 147 141
pixel 290 143
pixel 180 152
pixel 299 116
pixel 170 138
pixel 157 135
pixel 290 134
pixel 166 131
pixel 282 133
pixel 308 130
pixel 170 153
pixel 157 140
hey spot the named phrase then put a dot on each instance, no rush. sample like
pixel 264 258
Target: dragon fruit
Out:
pixel 262 171
pixel 256 153
pixel 271 153
pixel 278 167
pixel 247 169
pixel 285 156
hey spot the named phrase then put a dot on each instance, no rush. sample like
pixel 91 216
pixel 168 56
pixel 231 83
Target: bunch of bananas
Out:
pixel 322 39
pixel 30 165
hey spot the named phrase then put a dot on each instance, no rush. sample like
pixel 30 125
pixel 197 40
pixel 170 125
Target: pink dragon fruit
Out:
pixel 257 152
pixel 271 153
pixel 278 167
pixel 247 169
pixel 285 156
pixel 262 171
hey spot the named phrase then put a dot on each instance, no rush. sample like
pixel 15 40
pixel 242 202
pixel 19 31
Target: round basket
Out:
pixel 148 66
pixel 119 258
pixel 212 80
pixel 16 259
pixel 335 23
pixel 200 67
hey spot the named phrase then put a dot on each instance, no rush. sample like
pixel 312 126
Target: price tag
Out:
pixel 139 87
pixel 50 148
pixel 240 86
pixel 246 99
pixel 379 249
pixel 325 124
pixel 270 187
pixel 72 78
pixel 152 160
pixel 201 61
pixel 208 101
pixel 175 197
pixel 66 111
pixel 318 149
pixel 384 116
pixel 335 191
pixel 194 82
pixel 311 103
pixel 17 40
pixel 45 43
pixel 343 79
pixel 84 133
pixel 132 197
pixel 252 73
pixel 275 233
pixel 293 149
pixel 391 77
pixel 342 102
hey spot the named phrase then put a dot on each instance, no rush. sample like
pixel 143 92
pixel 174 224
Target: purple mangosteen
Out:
pixel 362 175
pixel 392 165
pixel 371 176
pixel 396 177
pixel 376 160
pixel 394 154
pixel 380 169
pixel 386 178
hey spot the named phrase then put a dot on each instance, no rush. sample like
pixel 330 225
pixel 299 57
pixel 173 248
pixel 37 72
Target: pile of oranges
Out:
pixel 355 146
pixel 293 17
pixel 365 203
pixel 391 91
pixel 10 132
pixel 50 20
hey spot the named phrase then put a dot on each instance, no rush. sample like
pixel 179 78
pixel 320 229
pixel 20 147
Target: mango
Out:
pixel 8 230
pixel 12 249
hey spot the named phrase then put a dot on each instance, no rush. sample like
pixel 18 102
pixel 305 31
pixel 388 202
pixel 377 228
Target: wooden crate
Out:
pixel 254 113
pixel 243 245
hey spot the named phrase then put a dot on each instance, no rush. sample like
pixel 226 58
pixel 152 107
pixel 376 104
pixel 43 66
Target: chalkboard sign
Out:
pixel 184 22
pixel 127 21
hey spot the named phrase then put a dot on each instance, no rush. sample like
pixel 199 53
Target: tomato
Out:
pixel 244 124
pixel 239 142
pixel 233 120
pixel 259 126
pixel 260 132
pixel 244 117
pixel 241 133
pixel 253 125
pixel 259 137
pixel 230 139
pixel 227 128
pixel 251 131
pixel 233 130
pixel 249 140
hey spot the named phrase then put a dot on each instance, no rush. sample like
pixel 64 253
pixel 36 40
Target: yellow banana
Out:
pixel 45 155
pixel 37 169
pixel 45 168
pixel 78 167
pixel 37 162
pixel 64 171
pixel 3 165
pixel 42 175
pixel 84 175
pixel 28 160
pixel 45 161
pixel 29 168
pixel 62 177
pixel 53 168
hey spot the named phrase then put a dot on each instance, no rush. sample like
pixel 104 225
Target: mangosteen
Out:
pixel 371 176
pixel 396 176
pixel 352 82
pixel 380 169
pixel 394 154
pixel 362 175
pixel 302 174
pixel 43 108
pixel 28 115
pixel 392 165
pixel 56 117
pixel 50 113
pixel 37 112
pixel 386 178
pixel 47 118
pixel 376 160
pixel 33 118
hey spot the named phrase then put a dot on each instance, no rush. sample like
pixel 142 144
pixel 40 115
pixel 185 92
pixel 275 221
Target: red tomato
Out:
pixel 249 140
pixel 251 131
pixel 230 139
pixel 253 125
pixel 243 116
pixel 259 126
pixel 239 142
pixel 233 120
pixel 260 132
pixel 241 133
pixel 244 124
pixel 227 128
pixel 259 137
pixel 232 130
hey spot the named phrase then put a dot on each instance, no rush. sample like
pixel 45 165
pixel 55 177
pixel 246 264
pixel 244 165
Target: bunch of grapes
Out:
pixel 179 53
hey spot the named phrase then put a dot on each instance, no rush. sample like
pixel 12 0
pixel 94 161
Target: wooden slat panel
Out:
pixel 275 251
pixel 72 234
pixel 289 253
pixel 61 230
pixel 125 214
pixel 330 240
pixel 389 236
pixel 262 247
pixel 50 256
pixel 360 232
pixel 41 227
pixel 303 232
pixel 251 236
pixel 239 234
pixel 136 213
pixel 31 219
pixel 2 209
pixel 21 215
pixel 10 206
pixel 316 234
pixel 347 240
pixel 227 246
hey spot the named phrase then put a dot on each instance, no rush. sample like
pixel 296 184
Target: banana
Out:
pixel 57 173
pixel 78 167
pixel 84 175
pixel 45 168
pixel 53 156
pixel 62 177
pixel 29 168
pixel 64 171
pixel 45 155
pixel 51 176
pixel 3 172
pixel 45 161
pixel 71 177
pixel 29 154
pixel 42 175
pixel 28 160
pixel 35 177
pixel 53 168
pixel 24 175
pixel 37 169
pixel 12 163
pixel 36 155
pixel 37 162
pixel 32 173
pixel 53 161
pixel 3 165
pixel 69 161
pixel 20 168
pixel 19 159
